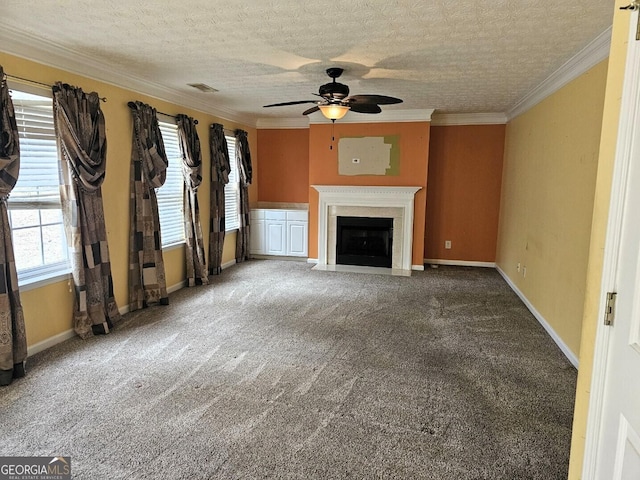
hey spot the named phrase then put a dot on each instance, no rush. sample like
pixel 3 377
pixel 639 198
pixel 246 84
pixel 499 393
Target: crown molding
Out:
pixel 596 51
pixel 417 115
pixel 444 119
pixel 282 123
pixel 33 48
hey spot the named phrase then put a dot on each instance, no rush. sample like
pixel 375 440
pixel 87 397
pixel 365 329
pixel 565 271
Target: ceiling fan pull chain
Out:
pixel 333 138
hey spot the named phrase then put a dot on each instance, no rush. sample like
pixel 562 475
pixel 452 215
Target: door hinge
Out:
pixel 610 308
pixel 634 5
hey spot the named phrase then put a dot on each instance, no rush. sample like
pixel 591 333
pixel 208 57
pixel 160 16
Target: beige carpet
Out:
pixel 278 371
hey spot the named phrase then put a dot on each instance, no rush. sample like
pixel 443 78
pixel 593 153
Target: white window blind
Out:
pixel 232 190
pixel 38 182
pixel 170 195
pixel 35 213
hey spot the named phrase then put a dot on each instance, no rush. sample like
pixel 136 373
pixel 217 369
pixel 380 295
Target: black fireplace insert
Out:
pixel 364 241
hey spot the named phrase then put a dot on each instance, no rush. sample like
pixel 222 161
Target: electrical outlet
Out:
pixel 524 271
pixel 518 267
pixel 447 244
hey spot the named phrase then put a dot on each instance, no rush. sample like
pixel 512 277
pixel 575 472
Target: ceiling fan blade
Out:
pixel 365 108
pixel 376 99
pixel 311 110
pixel 284 104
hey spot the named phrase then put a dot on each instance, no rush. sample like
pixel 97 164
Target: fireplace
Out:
pixel 395 203
pixel 364 241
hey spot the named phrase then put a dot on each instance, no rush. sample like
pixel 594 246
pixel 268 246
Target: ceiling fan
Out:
pixel 335 100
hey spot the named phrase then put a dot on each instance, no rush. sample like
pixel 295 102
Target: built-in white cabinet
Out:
pixel 297 232
pixel 258 239
pixel 279 232
pixel 275 228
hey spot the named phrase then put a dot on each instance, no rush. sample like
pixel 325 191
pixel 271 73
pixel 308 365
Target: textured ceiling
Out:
pixel 455 56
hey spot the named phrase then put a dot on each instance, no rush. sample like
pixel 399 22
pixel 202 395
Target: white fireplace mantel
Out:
pixel 374 201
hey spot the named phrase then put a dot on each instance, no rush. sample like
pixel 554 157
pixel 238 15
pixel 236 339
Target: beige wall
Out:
pixel 548 184
pixel 609 134
pixel 48 309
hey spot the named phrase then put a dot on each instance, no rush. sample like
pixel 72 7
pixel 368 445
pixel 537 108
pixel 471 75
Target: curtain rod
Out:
pixel 174 116
pixel 40 84
pixel 132 105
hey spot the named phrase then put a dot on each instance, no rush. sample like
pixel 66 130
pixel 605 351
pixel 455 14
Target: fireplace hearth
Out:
pixel 364 241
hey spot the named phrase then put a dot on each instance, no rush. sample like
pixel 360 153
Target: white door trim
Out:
pixel 629 115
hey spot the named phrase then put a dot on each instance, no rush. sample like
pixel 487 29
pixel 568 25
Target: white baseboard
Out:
pixel 177 286
pixel 552 333
pixel 50 342
pixel 61 337
pixel 284 258
pixel 312 260
pixel 460 263
pixel 171 289
pixel 228 264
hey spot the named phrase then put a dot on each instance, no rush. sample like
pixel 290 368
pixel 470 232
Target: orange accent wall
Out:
pixel 463 192
pixel 284 165
pixel 414 159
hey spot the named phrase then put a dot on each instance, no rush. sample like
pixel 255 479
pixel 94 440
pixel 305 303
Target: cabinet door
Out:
pixel 257 245
pixel 297 239
pixel 276 238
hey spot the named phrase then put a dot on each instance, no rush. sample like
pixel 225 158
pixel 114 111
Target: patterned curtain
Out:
pixel 81 135
pixel 245 171
pixel 192 171
pixel 147 282
pixel 13 338
pixel 220 168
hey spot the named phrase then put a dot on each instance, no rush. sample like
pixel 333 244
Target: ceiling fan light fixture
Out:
pixel 334 111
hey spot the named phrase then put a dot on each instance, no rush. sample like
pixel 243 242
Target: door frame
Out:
pixel 629 115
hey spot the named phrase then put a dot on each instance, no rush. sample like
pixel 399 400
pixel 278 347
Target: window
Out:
pixel 232 190
pixel 35 211
pixel 171 195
